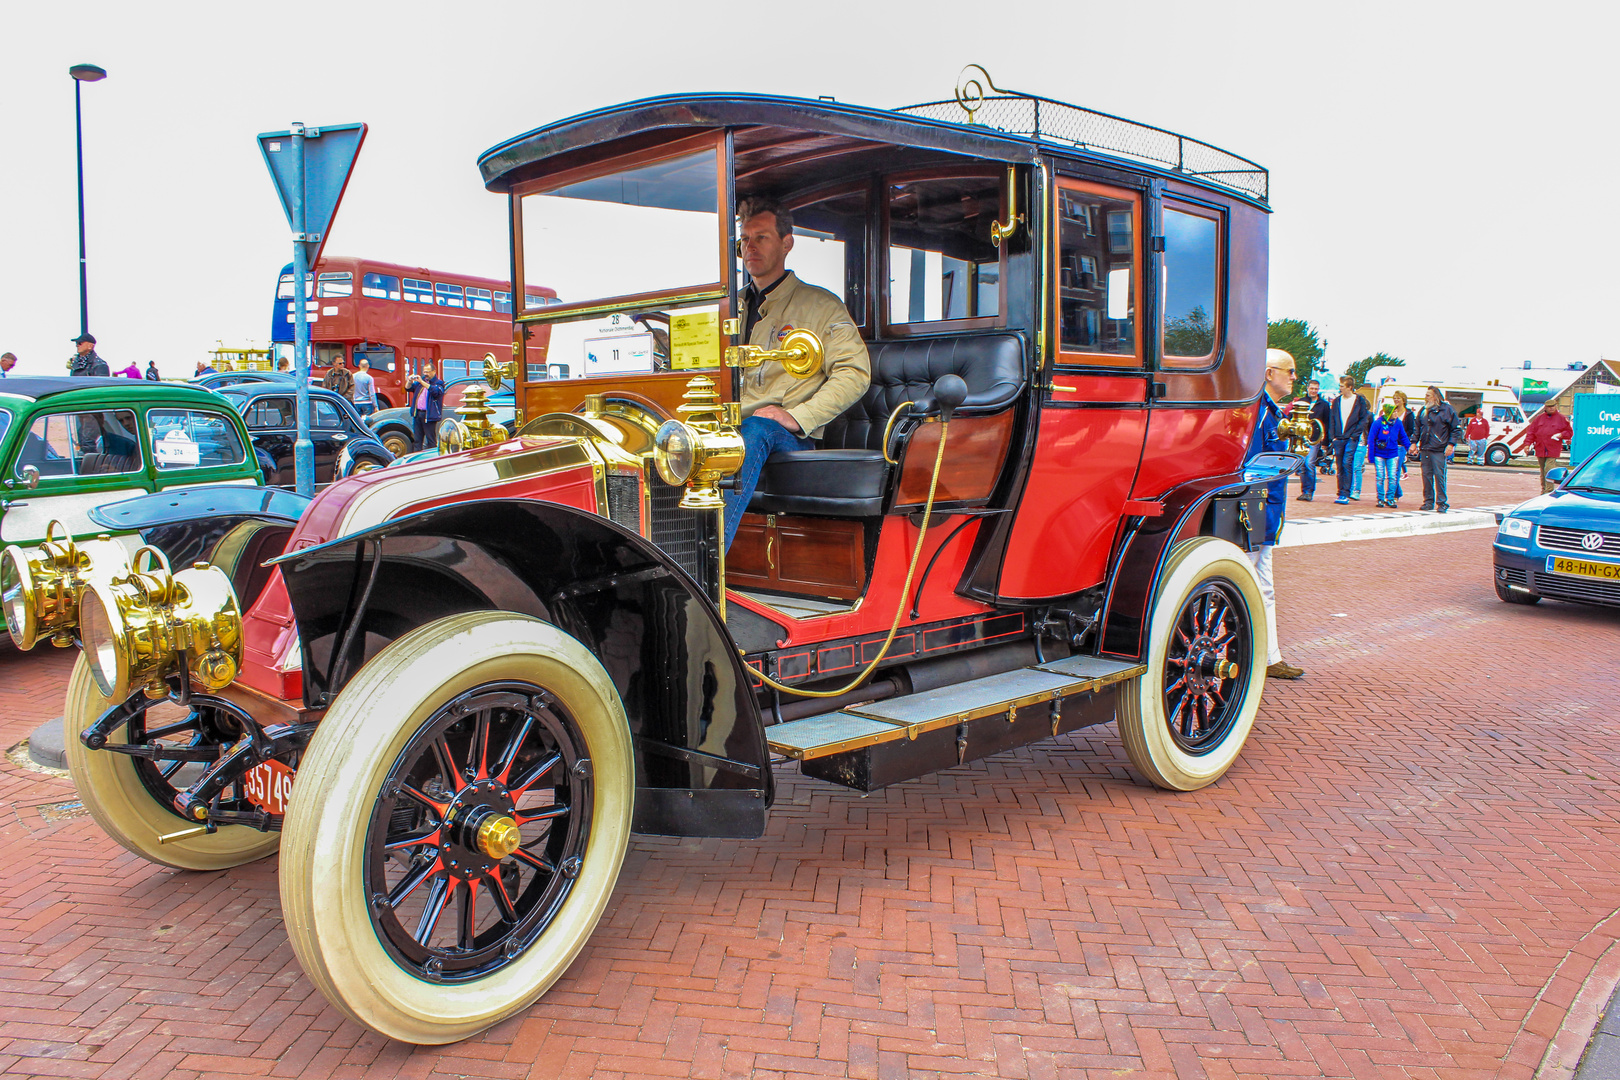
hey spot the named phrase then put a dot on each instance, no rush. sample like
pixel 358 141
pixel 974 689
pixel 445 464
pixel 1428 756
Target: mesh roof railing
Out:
pixel 1042 118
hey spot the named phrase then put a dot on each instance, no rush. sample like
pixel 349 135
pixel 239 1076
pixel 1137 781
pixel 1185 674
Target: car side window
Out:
pixel 943 266
pixel 1099 270
pixel 82 444
pixel 271 413
pixel 193 438
pixel 327 415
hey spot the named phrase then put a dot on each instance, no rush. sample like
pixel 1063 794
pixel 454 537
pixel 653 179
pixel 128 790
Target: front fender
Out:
pixel 702 768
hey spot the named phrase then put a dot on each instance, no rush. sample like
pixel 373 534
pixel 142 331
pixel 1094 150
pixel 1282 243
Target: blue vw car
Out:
pixel 1565 544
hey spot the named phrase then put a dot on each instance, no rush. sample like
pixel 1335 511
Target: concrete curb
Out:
pixel 1307 532
pixel 46 745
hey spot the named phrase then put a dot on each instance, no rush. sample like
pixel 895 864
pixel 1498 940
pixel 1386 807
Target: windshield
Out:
pixel 5 422
pixel 1601 471
pixel 651 228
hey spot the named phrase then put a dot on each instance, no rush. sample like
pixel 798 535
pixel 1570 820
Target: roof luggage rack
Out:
pixel 1034 117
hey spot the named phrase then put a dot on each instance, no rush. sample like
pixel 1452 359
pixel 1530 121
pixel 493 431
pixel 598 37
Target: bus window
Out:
pixel 418 292
pixel 503 301
pixel 540 301
pixel 479 299
pixel 380 357
pixel 379 286
pixel 324 355
pixel 339 284
pixel 447 295
pixel 942 265
pixel 284 290
pixel 453 370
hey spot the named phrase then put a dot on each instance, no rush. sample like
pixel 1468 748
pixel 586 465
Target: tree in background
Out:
pixel 1300 339
pixel 1193 335
pixel 1358 370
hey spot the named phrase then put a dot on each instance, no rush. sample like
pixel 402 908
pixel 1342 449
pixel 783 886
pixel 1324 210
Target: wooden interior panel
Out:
pixel 663 390
pixel 974 453
pixel 815 556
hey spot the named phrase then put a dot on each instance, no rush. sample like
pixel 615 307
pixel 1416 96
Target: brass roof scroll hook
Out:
pixel 970 88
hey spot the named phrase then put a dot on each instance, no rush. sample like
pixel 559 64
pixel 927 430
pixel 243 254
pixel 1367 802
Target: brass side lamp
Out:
pixel 41 592
pixel 1299 428
pixel 475 428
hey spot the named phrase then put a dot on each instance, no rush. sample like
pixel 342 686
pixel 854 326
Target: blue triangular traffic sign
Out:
pixel 329 154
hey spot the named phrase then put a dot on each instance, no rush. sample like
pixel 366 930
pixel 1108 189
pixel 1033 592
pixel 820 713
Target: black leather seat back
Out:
pixel 992 365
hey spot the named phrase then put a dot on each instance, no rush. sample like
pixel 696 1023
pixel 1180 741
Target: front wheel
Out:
pixel 1185 721
pixel 458 825
pixel 398 443
pixel 1497 455
pixel 131 798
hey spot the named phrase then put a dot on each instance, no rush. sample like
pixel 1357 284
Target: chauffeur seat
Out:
pixel 847 476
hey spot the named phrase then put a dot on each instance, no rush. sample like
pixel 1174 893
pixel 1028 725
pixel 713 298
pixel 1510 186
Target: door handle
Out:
pixel 770 561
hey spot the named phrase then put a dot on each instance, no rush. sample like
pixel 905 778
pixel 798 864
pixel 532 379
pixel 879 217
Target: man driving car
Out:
pixel 781 412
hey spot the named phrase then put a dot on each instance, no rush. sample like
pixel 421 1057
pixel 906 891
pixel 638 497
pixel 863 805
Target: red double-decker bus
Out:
pixel 396 317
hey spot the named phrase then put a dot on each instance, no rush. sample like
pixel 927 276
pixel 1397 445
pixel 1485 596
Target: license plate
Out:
pixel 269 786
pixel 1557 564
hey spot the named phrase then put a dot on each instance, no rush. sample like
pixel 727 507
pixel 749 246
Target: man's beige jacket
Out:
pixel 846 371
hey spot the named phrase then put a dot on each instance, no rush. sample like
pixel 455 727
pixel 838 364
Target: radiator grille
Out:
pixel 1582 590
pixel 687 536
pixel 624 500
pixel 1560 539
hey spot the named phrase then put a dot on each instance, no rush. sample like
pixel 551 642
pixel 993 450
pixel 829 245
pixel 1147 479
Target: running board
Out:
pixel 900 738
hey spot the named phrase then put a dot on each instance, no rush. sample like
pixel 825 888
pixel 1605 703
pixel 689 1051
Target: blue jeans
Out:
pixel 1476 451
pixel 1345 455
pixel 1388 473
pixel 1359 466
pixel 1307 479
pixel 761 439
pixel 366 409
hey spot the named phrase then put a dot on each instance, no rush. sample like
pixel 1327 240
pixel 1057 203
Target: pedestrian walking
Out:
pixel 131 372
pixel 340 380
pixel 1546 437
pixel 1279 380
pixel 365 388
pixel 1348 420
pixel 427 403
pixel 284 366
pixel 1318 448
pixel 152 372
pixel 1403 413
pixel 1437 427
pixel 1387 443
pixel 85 362
pixel 1360 466
pixel 1478 433
pixel 7 362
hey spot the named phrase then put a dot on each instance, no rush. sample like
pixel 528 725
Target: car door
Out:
pixel 84 458
pixel 271 421
pixel 329 432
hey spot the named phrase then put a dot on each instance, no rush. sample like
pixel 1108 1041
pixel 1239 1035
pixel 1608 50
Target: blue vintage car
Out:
pixel 1565 544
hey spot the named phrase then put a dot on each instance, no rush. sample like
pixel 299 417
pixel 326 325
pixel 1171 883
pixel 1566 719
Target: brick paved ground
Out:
pixel 1410 872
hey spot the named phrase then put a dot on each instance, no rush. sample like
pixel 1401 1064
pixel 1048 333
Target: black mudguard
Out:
pixel 702 768
pixel 1145 544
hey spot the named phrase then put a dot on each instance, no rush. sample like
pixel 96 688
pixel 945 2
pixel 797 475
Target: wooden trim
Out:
pixel 1066 356
pixel 975 452
pixel 1211 358
pixel 713 292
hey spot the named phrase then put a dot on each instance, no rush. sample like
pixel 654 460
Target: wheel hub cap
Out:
pixel 499 836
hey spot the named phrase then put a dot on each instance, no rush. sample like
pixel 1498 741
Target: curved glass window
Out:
pixel 1192 267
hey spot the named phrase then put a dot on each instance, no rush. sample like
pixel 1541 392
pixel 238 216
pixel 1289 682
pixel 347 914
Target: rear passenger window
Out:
pixel 418 292
pixel 1192 268
pixel 943 266
pixel 1099 260
pixel 341 284
pixel 81 444
pixel 480 299
pixel 327 414
pixel 447 295
pixel 270 414
pixel 191 438
pixel 380 286
pixel 829 248
pixel 503 301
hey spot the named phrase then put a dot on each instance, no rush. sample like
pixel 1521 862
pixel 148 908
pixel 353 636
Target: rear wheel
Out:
pixel 131 798
pixel 1497 455
pixel 398 443
pixel 459 823
pixel 1186 720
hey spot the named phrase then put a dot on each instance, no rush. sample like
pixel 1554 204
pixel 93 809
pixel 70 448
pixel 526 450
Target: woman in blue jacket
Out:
pixel 1387 443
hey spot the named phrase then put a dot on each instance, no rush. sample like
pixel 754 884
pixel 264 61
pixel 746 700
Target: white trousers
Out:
pixel 1268 589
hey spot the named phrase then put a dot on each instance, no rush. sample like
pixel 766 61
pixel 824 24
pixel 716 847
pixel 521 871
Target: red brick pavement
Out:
pixel 1410 872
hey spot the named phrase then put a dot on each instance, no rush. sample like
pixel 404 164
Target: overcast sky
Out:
pixel 1442 174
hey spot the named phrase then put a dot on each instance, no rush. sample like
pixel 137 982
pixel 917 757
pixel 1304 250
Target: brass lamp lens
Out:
pixel 100 640
pixel 450 437
pixel 675 451
pixel 14 594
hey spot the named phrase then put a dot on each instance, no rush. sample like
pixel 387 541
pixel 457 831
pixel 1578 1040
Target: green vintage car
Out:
pixel 69 445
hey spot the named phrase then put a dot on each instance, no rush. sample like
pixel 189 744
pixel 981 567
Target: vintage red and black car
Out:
pixel 450 691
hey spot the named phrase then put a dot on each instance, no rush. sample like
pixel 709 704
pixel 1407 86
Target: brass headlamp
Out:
pixel 475 429
pixel 703 448
pixel 1299 428
pixel 136 625
pixel 41 592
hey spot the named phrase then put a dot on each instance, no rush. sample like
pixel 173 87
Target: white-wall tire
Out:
pixel 1167 755
pixel 125 807
pixel 330 840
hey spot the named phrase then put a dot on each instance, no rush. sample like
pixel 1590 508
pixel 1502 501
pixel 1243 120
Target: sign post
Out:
pixel 310 176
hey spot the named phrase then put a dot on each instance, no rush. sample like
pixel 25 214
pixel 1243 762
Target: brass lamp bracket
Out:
pixel 1000 233
pixel 801 354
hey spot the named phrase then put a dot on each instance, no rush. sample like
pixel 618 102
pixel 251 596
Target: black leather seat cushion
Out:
pixel 848 477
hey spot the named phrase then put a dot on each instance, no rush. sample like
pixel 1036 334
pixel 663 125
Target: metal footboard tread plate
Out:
pixel 971 700
pixel 1094 669
pixel 829 733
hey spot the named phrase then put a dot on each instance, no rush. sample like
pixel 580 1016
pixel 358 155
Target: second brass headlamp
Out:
pixel 41 591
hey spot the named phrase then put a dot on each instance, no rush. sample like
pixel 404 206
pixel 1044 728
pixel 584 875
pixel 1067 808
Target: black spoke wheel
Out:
pixel 498 768
pixel 1185 721
pixel 132 798
pixel 458 823
pixel 1207 665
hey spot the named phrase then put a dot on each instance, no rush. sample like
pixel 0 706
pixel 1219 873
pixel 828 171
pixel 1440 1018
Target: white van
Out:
pixel 1501 408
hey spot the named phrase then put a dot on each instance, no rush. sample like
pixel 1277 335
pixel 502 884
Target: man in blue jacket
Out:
pixel 1279 382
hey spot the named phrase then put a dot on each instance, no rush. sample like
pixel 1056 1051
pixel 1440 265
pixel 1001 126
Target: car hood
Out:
pixel 1573 509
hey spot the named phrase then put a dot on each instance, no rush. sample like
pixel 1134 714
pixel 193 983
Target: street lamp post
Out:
pixel 82 73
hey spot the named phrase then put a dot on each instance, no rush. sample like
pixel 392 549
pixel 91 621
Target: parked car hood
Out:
pixel 1573 509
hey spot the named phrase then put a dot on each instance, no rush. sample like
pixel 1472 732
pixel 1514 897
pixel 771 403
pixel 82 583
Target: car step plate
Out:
pixel 907 717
